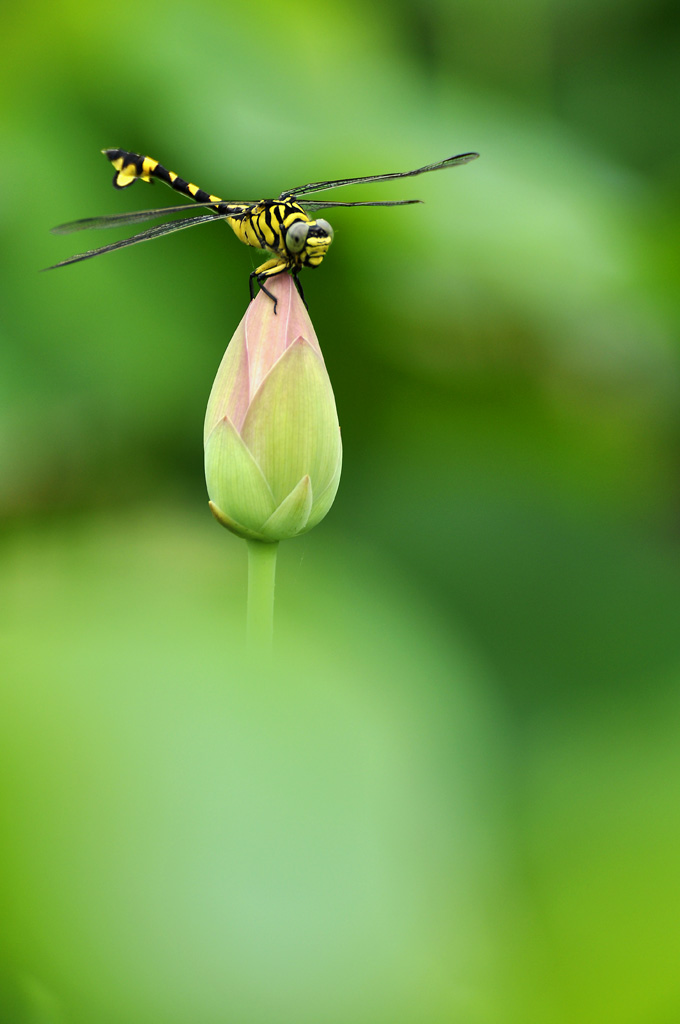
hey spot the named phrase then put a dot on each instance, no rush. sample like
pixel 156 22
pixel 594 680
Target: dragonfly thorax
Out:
pixel 285 230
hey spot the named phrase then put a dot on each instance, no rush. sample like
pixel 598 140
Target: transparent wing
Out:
pixel 139 216
pixel 144 236
pixel 320 186
pixel 312 205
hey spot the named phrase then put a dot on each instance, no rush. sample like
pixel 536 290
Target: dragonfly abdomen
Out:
pixel 262 226
pixel 131 166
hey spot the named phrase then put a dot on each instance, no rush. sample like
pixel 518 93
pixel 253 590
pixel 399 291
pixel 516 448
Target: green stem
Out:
pixel 261 576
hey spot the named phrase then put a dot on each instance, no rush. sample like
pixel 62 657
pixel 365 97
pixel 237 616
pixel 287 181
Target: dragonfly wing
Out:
pixel 320 186
pixel 139 216
pixel 144 236
pixel 312 205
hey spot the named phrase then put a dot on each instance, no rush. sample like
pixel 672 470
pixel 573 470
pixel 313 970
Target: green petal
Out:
pixel 235 481
pixel 324 500
pixel 292 515
pixel 291 427
pixel 238 528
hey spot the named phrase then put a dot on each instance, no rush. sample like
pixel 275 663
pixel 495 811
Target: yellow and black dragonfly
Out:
pixel 280 226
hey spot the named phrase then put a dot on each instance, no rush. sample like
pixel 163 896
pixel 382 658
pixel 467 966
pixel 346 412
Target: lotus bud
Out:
pixel 272 439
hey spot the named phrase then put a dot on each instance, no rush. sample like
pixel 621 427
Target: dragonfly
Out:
pixel 283 227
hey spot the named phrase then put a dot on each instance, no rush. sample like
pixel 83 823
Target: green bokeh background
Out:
pixel 457 798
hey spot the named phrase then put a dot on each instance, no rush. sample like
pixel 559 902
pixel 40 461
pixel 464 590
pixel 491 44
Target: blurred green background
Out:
pixel 458 800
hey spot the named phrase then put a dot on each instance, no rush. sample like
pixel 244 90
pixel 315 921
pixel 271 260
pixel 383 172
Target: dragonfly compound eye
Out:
pixel 296 236
pixel 325 226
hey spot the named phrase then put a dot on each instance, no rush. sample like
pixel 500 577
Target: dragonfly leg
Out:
pixel 269 269
pixel 299 286
pixel 264 288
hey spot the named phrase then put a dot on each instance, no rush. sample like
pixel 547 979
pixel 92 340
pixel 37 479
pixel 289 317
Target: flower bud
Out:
pixel 272 439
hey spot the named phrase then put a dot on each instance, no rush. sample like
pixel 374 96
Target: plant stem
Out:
pixel 261 576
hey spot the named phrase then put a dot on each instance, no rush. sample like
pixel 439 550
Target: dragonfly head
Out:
pixel 308 240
